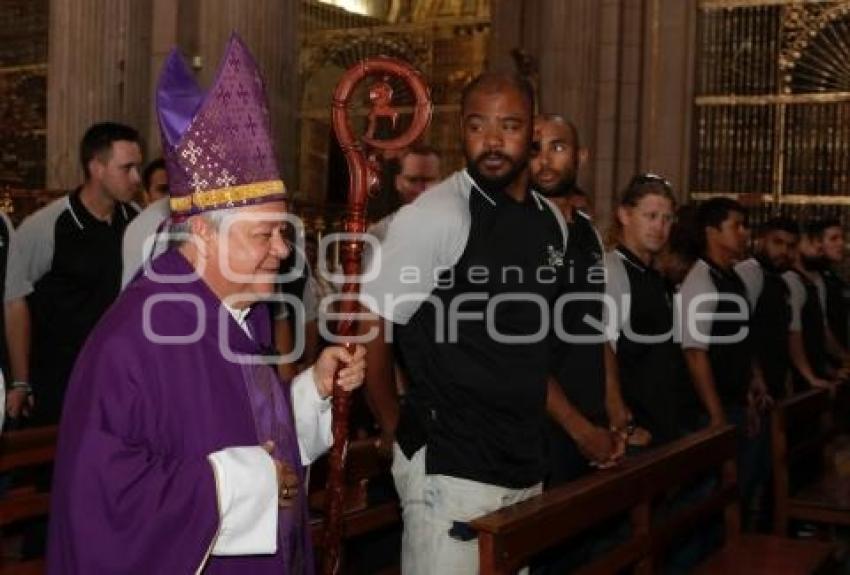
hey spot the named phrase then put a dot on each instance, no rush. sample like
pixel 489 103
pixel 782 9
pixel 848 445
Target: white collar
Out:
pixel 241 317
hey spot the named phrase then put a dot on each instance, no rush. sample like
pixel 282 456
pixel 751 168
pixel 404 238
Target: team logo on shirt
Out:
pixel 596 257
pixel 556 257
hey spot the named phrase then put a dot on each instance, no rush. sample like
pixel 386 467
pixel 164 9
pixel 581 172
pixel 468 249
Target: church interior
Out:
pixel 747 100
pixel 684 89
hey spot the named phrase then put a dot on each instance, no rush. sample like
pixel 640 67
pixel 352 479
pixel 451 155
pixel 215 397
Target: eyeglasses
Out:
pixel 650 178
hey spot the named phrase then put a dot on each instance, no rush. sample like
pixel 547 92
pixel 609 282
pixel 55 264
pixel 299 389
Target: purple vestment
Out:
pixel 133 489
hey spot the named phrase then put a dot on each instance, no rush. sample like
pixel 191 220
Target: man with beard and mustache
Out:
pixel 579 367
pixel 467 275
pixel 814 352
pixel 832 236
pixel 558 177
pixel 769 298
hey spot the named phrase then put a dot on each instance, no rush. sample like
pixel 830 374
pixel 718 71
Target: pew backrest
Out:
pixel 27 448
pixel 511 537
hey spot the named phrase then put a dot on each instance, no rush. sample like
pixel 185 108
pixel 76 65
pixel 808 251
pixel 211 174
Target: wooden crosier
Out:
pixel 363 177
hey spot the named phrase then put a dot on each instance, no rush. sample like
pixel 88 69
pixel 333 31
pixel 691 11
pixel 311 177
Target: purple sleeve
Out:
pixel 125 497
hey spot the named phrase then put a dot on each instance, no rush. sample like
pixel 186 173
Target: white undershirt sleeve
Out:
pixel 312 417
pixel 246 485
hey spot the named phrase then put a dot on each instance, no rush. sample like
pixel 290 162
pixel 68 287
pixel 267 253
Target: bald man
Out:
pixel 557 155
pixel 579 367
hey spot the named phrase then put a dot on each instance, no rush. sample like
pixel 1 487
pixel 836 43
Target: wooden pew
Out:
pixel 806 486
pixel 364 464
pixel 511 537
pixel 19 451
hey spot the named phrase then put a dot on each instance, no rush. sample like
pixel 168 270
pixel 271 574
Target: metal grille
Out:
pixel 772 106
pixel 23 94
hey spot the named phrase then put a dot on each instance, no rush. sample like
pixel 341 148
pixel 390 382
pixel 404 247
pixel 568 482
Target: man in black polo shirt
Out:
pixel 468 274
pixel 71 250
pixel 557 138
pixel 816 356
pixel 715 337
pixel 832 237
pixel 578 366
pixel 653 377
pixel 770 300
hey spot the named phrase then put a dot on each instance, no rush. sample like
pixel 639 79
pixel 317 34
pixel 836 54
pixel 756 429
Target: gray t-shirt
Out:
pixel 141 243
pixel 696 327
pixel 798 297
pixel 422 240
pixel 17 285
pixel 379 228
pixel 699 307
pixel 618 289
pixel 752 275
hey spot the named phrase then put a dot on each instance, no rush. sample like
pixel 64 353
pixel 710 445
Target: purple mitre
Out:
pixel 217 144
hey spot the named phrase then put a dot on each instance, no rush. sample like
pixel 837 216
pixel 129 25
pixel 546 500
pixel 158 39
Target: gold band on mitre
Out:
pixel 230 196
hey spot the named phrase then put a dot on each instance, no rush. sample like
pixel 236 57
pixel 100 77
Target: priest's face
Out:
pixel 249 246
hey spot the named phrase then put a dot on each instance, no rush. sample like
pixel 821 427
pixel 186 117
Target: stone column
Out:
pixel 577 71
pixel 98 69
pixel 163 39
pixel 621 70
pixel 668 83
pixel 622 65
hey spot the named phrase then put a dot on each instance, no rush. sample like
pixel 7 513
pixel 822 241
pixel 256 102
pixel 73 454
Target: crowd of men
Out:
pixel 657 338
pixel 525 350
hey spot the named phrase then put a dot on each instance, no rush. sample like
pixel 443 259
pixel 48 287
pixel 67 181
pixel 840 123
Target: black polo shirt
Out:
pixel 715 318
pixel 579 365
pixel 808 318
pixel 770 299
pixel 578 360
pixel 653 376
pixel 73 261
pixel 837 312
pixel 475 337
